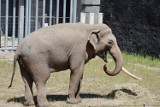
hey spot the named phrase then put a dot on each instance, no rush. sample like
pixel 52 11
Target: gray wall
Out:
pixel 91 6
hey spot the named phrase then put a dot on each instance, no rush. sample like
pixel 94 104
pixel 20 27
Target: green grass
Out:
pixel 95 83
pixel 145 60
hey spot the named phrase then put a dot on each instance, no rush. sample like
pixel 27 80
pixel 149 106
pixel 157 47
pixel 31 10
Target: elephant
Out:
pixel 59 47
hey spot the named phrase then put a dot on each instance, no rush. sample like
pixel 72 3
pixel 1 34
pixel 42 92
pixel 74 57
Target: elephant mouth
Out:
pixel 103 56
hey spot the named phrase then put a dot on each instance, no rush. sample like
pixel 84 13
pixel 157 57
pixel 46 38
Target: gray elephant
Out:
pixel 60 47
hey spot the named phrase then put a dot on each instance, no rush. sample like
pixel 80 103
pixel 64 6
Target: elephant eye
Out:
pixel 110 42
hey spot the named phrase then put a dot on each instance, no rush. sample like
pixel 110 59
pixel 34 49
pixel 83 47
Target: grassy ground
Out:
pixel 98 89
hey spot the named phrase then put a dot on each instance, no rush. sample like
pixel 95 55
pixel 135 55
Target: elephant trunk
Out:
pixel 117 56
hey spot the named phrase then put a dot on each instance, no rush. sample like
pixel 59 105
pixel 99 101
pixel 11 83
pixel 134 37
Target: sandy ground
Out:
pixel 7 55
pixel 124 95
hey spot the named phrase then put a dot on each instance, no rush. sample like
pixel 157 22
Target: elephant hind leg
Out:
pixel 28 80
pixel 41 74
pixel 41 95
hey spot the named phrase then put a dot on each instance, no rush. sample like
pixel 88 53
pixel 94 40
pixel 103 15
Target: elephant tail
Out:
pixel 14 69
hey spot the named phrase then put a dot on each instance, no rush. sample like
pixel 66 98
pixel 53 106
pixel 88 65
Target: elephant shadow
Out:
pixel 61 97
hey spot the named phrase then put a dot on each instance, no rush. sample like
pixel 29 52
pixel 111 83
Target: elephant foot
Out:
pixel 79 99
pixel 74 100
pixel 42 104
pixel 28 102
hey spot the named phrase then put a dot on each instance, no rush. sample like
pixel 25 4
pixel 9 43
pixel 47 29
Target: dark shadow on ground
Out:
pixel 60 97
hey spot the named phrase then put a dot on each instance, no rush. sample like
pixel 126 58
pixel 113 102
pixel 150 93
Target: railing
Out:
pixel 18 18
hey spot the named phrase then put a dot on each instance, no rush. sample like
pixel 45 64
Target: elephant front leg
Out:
pixel 74 86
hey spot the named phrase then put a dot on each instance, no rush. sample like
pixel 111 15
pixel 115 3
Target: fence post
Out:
pixel 6 24
pixel 74 11
pixel 0 24
pixel 71 11
pixel 14 24
pixel 21 20
pixel 57 12
pixel 36 16
pixel 29 15
pixel 50 12
pixel 26 18
pixel 43 13
pixel 64 10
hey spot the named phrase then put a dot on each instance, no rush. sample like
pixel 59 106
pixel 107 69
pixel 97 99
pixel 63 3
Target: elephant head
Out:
pixel 104 41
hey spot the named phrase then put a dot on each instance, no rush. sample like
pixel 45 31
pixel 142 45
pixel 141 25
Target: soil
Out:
pixel 133 93
pixel 7 55
pixel 122 95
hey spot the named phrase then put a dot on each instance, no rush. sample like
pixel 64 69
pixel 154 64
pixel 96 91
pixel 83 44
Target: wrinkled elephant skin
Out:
pixel 60 47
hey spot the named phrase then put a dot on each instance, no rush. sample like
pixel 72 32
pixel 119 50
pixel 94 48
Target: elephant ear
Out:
pixel 94 38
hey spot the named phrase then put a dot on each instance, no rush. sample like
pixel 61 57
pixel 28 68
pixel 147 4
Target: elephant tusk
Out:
pixel 130 74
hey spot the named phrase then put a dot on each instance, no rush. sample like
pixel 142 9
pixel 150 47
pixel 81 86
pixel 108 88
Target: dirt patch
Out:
pixel 132 94
pixel 123 95
pixel 7 55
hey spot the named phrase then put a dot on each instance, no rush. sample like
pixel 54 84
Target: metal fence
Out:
pixel 18 18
